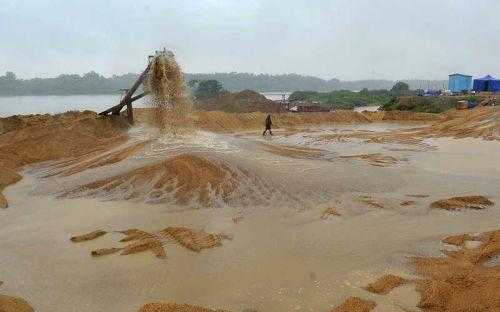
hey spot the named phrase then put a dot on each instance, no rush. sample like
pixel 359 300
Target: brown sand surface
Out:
pixel 14 304
pixel 174 307
pixel 385 284
pixel 461 281
pixel 463 202
pixel 355 304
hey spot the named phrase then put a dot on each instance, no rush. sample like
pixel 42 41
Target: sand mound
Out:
pixel 461 281
pixel 174 307
pixel 14 304
pixel 385 284
pixel 376 159
pixel 88 236
pixel 476 202
pixel 481 122
pixel 245 101
pixel 186 177
pixel 62 136
pixel 355 304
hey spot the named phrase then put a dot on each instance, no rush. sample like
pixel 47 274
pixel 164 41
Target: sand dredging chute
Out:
pixel 162 81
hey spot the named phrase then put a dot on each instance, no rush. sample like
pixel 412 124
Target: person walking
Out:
pixel 269 123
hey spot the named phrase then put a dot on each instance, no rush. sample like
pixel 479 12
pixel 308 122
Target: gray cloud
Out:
pixel 354 39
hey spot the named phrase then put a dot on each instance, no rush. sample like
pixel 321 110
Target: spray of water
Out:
pixel 171 106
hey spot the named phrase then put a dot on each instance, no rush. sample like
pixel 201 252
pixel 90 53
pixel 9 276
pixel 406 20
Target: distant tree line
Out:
pixel 347 99
pixel 94 83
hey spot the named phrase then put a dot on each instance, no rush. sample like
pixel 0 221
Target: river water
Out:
pixel 52 104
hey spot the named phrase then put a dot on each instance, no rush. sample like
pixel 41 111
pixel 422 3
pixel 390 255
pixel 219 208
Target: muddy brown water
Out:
pixel 283 257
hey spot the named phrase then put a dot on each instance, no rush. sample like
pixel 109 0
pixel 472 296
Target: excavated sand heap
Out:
pixel 166 85
pixel 184 179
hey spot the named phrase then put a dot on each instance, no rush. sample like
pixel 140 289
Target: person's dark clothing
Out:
pixel 269 123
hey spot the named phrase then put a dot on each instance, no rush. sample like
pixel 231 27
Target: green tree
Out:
pixel 208 89
pixel 10 76
pixel 401 88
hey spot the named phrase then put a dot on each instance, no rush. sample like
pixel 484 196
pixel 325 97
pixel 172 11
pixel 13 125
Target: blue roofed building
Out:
pixel 487 83
pixel 459 83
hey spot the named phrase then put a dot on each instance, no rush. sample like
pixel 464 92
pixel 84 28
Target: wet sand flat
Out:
pixel 283 256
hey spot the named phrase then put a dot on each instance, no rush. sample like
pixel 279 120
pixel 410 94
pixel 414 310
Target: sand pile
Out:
pixel 187 178
pixel 14 304
pixel 245 101
pixel 481 122
pixel 355 304
pixel 33 139
pixel 71 135
pixel 461 281
pixel 165 82
pixel 174 307
pixel 385 284
pixel 475 202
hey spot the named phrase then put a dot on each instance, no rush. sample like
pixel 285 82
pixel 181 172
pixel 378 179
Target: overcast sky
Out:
pixel 345 39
